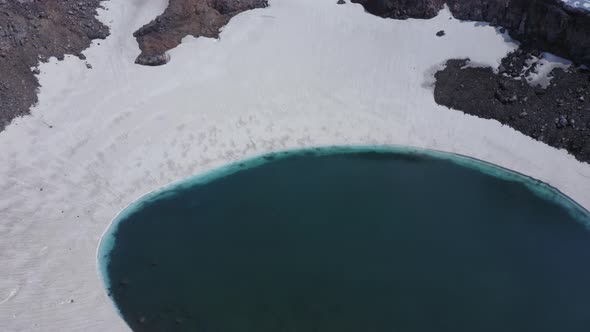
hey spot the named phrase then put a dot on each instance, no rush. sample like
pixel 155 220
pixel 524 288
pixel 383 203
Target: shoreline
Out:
pixel 121 232
pixel 537 187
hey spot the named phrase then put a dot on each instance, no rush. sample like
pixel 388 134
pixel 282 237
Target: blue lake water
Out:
pixel 351 239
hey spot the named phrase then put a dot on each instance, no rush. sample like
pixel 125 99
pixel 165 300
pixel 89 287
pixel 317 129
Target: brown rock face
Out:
pixel 33 30
pixel 545 24
pixel 186 17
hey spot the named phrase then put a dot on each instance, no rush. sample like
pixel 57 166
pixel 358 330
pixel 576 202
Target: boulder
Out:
pixel 152 60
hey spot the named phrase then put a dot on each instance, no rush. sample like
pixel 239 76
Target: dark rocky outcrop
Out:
pixel 549 25
pixel 36 30
pixel 558 115
pixel 186 17
pixel 402 9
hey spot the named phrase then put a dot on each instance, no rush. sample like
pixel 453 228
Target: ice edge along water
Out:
pixel 540 189
pixel 297 74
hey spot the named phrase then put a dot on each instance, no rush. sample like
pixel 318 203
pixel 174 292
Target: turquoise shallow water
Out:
pixel 351 239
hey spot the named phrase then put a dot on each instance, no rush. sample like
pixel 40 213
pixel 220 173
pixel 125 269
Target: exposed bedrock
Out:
pixel 31 31
pixel 402 9
pixel 199 18
pixel 558 115
pixel 549 25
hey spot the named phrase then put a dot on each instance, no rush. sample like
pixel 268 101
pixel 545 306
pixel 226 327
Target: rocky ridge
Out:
pixel 186 17
pixel 33 31
pixel 550 25
pixel 558 115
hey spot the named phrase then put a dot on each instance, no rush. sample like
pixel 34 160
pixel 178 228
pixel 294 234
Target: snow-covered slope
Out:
pixel 578 3
pixel 299 73
pixel 544 65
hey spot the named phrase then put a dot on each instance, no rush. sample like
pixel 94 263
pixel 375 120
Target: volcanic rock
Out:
pixel 549 25
pixel 199 18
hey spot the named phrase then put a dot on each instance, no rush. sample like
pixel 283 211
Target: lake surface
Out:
pixel 351 239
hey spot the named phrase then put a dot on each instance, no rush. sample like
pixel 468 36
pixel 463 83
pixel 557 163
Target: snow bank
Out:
pixel 299 73
pixel 585 4
pixel 542 68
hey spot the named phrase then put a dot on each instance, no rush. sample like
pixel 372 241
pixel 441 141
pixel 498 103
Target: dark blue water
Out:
pixel 352 240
